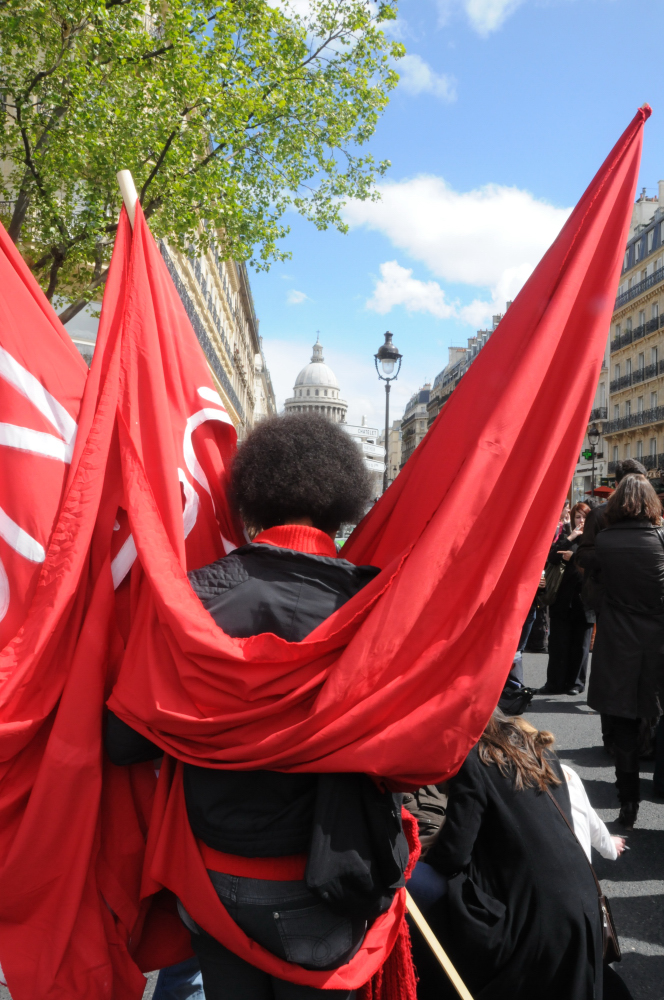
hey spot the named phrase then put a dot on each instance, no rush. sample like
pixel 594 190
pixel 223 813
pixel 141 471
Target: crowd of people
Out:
pixel 504 877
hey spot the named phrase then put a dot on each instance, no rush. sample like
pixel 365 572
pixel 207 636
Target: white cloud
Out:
pixel 485 16
pixel 491 238
pixel 398 287
pixel 295 298
pixel 417 77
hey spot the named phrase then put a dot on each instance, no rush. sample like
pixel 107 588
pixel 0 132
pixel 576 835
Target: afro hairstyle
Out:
pixel 299 465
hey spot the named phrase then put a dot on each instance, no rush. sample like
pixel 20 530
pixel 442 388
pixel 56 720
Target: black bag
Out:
pixel 610 944
pixel 358 851
pixel 554 577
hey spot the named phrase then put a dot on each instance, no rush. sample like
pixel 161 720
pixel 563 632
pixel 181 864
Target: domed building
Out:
pixel 316 389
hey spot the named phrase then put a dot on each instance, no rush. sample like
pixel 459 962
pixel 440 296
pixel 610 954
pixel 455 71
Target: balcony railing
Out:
pixel 654 415
pixel 629 336
pixel 640 287
pixel 640 375
pixel 599 413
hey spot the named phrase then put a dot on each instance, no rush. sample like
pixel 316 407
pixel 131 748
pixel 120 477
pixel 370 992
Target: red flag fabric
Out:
pixel 398 683
pixel 42 377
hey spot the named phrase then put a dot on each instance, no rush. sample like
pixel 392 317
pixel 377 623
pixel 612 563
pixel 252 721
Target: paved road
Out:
pixel 635 882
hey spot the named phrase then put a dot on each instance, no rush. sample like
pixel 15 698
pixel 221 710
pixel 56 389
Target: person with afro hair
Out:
pixel 294 858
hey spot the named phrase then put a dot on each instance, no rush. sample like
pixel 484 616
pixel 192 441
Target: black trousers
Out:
pixel 287 919
pixel 625 742
pixel 569 648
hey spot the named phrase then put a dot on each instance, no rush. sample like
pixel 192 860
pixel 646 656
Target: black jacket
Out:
pixel 628 656
pixel 521 917
pixel 592 589
pixel 257 588
pixel 568 599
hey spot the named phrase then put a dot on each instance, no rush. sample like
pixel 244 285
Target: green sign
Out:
pixel 587 453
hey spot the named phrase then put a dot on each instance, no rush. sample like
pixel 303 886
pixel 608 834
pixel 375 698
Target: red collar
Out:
pixel 300 538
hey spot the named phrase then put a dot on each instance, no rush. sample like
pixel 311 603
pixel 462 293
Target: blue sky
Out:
pixel 505 110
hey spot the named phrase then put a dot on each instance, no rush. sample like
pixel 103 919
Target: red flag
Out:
pixel 398 683
pixel 42 377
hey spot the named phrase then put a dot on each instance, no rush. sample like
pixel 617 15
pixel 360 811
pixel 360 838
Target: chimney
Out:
pixel 660 185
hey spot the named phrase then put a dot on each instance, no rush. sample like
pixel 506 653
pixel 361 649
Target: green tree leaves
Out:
pixel 226 113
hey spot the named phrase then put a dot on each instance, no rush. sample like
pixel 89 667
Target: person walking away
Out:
pixel 628 662
pixel 592 588
pixel 270 840
pixel 571 624
pixel 520 916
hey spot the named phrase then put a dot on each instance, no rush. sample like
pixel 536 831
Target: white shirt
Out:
pixel 588 827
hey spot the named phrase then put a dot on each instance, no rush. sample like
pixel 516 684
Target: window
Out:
pixel 616 371
pixel 615 453
pixel 642 318
pixel 628 325
pixel 602 394
pixel 308 392
pixel 629 284
pixel 653 400
pixel 637 252
pixel 653 446
pixel 617 329
pixel 653 355
pixel 654 312
pixel 628 366
pixel 626 257
pixel 316 391
pixel 628 408
pixel 616 411
pixel 639 449
pixel 326 392
pixel 644 274
pixel 651 239
pixel 639 404
pixel 626 451
pixel 642 361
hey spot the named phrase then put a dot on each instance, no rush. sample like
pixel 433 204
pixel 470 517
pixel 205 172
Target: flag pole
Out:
pixel 437 948
pixel 128 192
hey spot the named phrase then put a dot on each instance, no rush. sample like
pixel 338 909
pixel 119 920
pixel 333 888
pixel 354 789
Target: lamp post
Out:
pixel 593 440
pixel 387 357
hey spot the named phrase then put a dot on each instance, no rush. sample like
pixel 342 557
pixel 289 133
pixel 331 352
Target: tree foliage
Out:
pixel 225 112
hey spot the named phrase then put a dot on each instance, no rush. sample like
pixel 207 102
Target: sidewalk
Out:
pixel 635 882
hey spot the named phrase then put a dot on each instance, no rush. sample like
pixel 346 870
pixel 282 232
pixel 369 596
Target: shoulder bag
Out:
pixel 553 573
pixel 610 944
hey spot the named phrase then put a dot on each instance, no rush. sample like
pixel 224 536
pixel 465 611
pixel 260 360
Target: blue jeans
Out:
pixel 289 920
pixel 426 885
pixel 183 981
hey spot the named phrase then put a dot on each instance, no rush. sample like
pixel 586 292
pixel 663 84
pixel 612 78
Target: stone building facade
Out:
pixel 393 450
pixel 414 423
pixel 459 361
pixel 629 405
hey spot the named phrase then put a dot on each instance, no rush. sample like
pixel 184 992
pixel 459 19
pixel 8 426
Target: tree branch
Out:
pixel 157 166
pixel 75 308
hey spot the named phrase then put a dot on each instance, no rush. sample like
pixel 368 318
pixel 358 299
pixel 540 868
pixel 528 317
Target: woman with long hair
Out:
pixel 571 624
pixel 520 916
pixel 628 659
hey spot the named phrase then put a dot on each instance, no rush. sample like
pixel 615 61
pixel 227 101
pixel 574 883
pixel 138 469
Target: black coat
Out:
pixel 628 657
pixel 568 599
pixel 522 917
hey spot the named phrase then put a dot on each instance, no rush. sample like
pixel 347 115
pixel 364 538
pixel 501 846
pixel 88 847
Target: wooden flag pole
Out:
pixel 437 948
pixel 128 192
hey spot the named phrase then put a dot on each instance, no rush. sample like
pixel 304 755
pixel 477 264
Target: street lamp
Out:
pixel 594 435
pixel 387 357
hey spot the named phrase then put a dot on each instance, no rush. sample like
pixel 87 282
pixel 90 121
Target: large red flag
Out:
pixel 42 377
pixel 398 683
